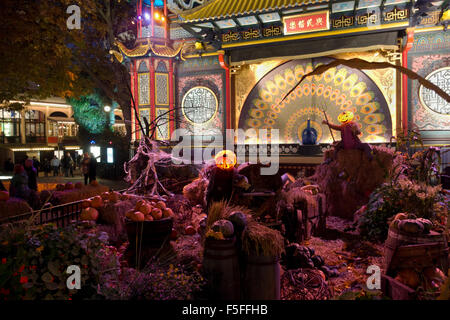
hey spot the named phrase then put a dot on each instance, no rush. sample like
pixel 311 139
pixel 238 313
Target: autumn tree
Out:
pixel 41 57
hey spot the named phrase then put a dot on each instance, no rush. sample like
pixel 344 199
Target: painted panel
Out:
pixel 336 90
pixel 144 88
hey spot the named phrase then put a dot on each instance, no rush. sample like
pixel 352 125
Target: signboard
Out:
pixel 309 22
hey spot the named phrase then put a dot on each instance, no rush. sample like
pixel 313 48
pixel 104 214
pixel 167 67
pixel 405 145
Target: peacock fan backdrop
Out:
pixel 336 90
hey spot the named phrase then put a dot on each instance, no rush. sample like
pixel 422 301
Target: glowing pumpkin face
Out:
pixel 225 159
pixel 345 117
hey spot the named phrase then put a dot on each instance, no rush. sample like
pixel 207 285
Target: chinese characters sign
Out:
pixel 303 23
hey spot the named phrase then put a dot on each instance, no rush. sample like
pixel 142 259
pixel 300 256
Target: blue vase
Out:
pixel 309 135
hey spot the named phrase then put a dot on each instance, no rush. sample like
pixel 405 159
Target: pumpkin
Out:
pixel 104 196
pixel 173 234
pixel 89 214
pixel 139 204
pixel 161 205
pixel 94 183
pixel 145 208
pixel 124 197
pixel 137 216
pixel 238 219
pixel 114 196
pixel 401 216
pixel 223 226
pixel 148 217
pixel 156 213
pixel 345 116
pixel 129 213
pixel 408 277
pixel 97 202
pixel 167 213
pixel 78 185
pixel 60 187
pixel 427 224
pixel 4 195
pixel 225 159
pixel 69 186
pixel 410 226
pixel 189 230
pixel 86 204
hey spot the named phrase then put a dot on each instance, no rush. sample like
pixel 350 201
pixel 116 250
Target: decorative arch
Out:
pixel 143 67
pixel 58 114
pixel 338 89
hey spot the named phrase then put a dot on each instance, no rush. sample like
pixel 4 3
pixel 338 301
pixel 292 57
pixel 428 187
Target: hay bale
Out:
pixel 196 191
pixel 13 207
pixel 67 196
pixel 348 181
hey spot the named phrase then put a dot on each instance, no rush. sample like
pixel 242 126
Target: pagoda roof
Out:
pixel 218 9
pixel 143 49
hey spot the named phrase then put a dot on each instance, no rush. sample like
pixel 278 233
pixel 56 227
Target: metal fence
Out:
pixel 61 215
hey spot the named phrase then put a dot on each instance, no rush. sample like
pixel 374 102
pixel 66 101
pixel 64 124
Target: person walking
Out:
pixel 32 174
pixel 19 183
pixel 46 166
pixel 92 169
pixel 67 164
pixel 55 163
pixel 85 164
pixel 36 165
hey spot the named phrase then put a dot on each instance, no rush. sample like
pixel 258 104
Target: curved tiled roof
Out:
pixel 230 8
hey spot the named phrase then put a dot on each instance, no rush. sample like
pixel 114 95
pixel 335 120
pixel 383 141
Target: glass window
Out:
pixel 9 126
pixel 35 126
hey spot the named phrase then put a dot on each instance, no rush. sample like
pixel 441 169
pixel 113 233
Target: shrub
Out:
pixel 34 260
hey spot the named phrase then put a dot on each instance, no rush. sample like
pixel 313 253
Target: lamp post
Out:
pixel 107 109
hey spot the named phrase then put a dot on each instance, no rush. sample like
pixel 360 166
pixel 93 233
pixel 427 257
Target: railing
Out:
pixel 61 215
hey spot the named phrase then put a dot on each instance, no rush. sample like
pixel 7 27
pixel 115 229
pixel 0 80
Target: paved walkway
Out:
pixel 113 184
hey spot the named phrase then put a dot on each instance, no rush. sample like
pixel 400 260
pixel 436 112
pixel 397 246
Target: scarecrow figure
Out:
pixel 224 179
pixel 349 135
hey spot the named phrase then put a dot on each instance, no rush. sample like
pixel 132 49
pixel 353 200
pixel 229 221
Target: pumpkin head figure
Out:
pixel 345 117
pixel 225 159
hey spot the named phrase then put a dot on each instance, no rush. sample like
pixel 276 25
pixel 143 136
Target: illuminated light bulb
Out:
pixel 147 16
pixel 157 16
pixel 163 19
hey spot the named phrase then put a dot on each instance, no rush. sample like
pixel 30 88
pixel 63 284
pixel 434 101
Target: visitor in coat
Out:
pixel 36 165
pixel 85 164
pixel 19 183
pixel 92 168
pixel 32 174
pixel 55 163
pixel 67 164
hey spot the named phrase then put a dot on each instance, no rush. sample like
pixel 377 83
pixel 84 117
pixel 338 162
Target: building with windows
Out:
pixel 42 129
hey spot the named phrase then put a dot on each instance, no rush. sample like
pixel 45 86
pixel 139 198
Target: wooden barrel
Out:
pixel 404 250
pixel 154 233
pixel 221 268
pixel 261 278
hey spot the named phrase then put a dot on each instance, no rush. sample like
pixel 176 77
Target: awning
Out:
pixel 217 9
pixel 315 48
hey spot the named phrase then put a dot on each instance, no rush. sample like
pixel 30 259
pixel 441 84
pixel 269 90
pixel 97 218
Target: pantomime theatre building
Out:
pixel 211 65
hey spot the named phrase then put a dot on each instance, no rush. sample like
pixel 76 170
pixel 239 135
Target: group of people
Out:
pixel 24 182
pixel 66 165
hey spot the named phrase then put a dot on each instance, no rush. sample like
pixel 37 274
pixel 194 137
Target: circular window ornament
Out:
pixel 199 105
pixel 429 98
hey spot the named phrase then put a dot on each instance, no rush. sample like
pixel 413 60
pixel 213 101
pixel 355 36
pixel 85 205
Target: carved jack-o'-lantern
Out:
pixel 225 159
pixel 345 117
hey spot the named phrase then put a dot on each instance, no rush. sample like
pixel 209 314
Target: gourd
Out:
pixel 167 213
pixel 97 202
pixel 156 213
pixel 223 226
pixel 189 230
pixel 137 216
pixel 86 204
pixel 161 205
pixel 89 214
pixel 238 219
pixel 69 186
pixel 145 208
pixel 104 196
pixel 225 159
pixel 78 185
pixel 114 197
